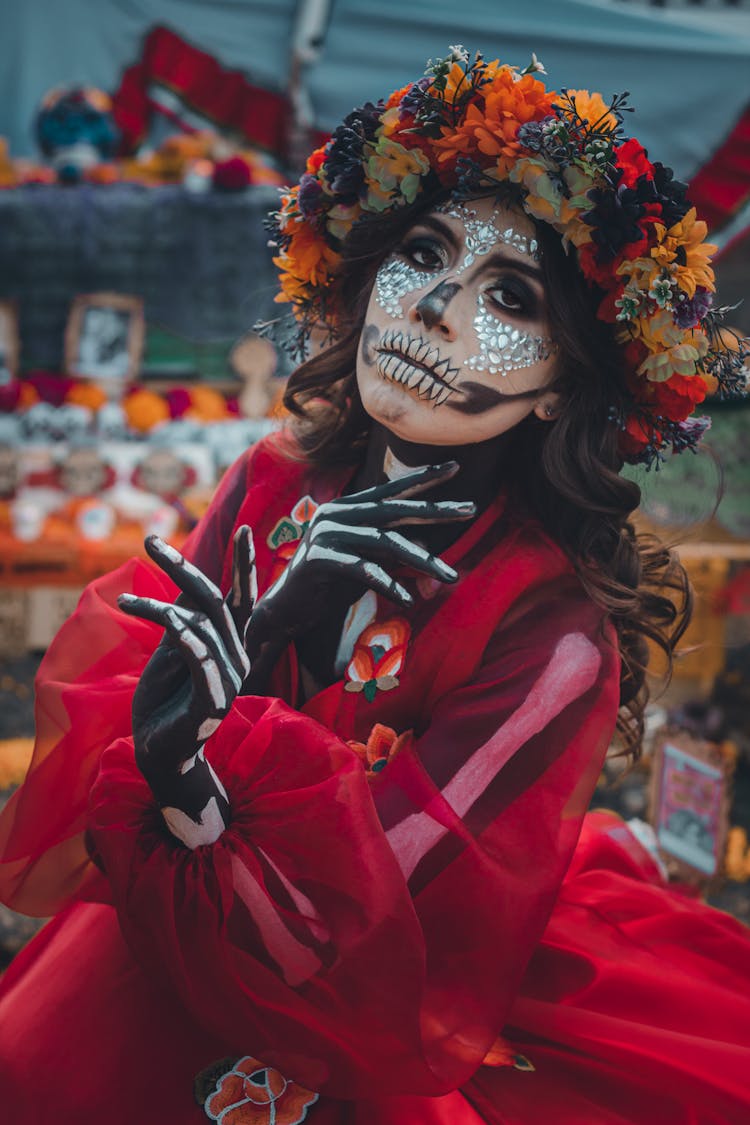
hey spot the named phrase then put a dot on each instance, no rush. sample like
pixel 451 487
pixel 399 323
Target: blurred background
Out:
pixel 142 143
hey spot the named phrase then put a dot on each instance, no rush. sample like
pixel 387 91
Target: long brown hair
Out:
pixel 569 472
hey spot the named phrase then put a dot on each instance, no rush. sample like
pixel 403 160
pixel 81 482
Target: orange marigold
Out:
pixel 308 261
pixel 492 130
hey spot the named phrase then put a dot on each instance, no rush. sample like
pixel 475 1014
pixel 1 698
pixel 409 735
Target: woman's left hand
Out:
pixel 193 676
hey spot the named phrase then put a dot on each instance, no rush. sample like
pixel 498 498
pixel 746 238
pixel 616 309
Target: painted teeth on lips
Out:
pixel 394 367
pixel 421 352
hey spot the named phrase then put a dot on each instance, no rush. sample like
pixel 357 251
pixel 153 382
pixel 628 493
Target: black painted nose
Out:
pixel 432 307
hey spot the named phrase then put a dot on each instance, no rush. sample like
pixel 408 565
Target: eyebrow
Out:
pixel 497 257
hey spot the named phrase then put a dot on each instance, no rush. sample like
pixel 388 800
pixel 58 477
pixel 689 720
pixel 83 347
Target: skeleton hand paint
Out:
pixel 189 685
pixel 353 537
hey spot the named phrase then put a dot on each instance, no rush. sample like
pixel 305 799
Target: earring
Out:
pixel 549 411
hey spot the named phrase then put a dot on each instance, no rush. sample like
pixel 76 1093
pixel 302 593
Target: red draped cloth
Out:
pixel 391 895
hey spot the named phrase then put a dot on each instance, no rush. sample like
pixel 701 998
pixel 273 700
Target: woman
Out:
pixel 354 906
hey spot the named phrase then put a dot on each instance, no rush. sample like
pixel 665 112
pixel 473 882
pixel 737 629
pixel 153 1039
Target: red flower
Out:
pixel 634 161
pixel 232 175
pixel 254 1094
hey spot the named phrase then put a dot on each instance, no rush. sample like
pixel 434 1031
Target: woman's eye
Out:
pixel 425 254
pixel 512 298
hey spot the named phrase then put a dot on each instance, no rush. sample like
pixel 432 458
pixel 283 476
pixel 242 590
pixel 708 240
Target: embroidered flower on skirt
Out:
pixel 503 1053
pixel 253 1094
pixel 382 745
pixel 378 658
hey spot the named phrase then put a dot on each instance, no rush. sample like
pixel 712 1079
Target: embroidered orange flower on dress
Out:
pixel 254 1094
pixel 503 1053
pixel 378 658
pixel 382 745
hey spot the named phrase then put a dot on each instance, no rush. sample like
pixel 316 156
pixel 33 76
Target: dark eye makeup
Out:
pixel 424 252
pixel 511 294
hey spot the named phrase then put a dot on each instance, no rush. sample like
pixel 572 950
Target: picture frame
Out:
pixel 104 340
pixel 9 342
pixel 690 798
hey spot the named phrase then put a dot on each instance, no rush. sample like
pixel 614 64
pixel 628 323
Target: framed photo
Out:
pixel 690 798
pixel 8 342
pixel 104 340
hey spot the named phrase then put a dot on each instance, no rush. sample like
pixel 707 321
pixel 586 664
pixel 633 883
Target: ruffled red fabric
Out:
pixel 368 938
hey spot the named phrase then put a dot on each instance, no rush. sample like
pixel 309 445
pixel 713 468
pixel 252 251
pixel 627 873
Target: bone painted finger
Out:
pixel 199 593
pixel 197 638
pixel 198 588
pixel 244 592
pixel 178 625
pixel 390 513
pixel 231 667
pixel 371 542
pixel 369 573
pixel 410 485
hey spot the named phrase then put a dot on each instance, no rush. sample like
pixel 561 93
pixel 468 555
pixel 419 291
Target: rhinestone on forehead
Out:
pixel 503 348
pixel 394 280
pixel 482 235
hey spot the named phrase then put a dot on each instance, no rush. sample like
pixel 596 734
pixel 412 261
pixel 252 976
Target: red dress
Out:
pixel 391 894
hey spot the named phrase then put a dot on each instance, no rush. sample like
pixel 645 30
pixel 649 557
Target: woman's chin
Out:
pixel 402 412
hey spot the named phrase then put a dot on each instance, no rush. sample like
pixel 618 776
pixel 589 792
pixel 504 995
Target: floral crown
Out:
pixel 468 125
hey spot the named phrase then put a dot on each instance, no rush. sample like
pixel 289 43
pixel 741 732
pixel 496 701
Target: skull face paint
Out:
pixel 481 236
pixel 457 346
pixel 395 280
pixel 502 347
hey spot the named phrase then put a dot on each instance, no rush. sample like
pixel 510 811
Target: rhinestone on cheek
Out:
pixel 393 281
pixel 480 236
pixel 503 348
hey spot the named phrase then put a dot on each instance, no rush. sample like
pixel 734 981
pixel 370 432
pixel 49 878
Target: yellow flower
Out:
pixel 671 349
pixel 684 252
pixel 547 200
pixel 393 170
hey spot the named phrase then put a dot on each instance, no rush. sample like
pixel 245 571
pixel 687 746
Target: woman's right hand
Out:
pixel 351 540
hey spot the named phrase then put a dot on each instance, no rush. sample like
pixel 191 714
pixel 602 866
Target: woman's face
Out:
pixel 456 345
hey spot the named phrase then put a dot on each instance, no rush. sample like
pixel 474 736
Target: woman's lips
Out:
pixel 416 365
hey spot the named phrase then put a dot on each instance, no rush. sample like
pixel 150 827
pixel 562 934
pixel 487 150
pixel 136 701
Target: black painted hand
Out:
pixel 195 672
pixel 351 541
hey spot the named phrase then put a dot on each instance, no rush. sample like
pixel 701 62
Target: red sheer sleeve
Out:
pixel 83 698
pixel 368 938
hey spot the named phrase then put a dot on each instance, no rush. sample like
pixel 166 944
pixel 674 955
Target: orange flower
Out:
pixel 593 108
pixel 206 405
pixel 378 658
pixel 398 96
pixel 503 1053
pixel 86 394
pixel 308 261
pixel 144 409
pixel 492 130
pixel 382 745
pixel 254 1094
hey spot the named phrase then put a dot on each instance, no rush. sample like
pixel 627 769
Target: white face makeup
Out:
pixel 456 346
pixel 502 347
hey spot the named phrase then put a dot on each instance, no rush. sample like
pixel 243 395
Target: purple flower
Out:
pixel 414 97
pixel 689 310
pixel 344 165
pixel 310 196
pixel 614 219
pixel 670 193
pixel 688 433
